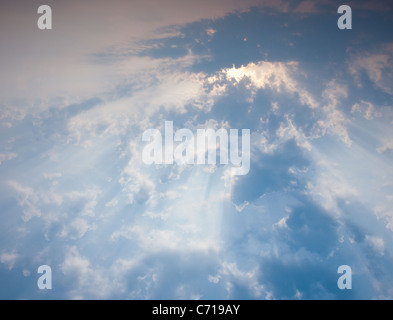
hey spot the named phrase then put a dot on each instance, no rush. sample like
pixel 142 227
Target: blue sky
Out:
pixel 76 195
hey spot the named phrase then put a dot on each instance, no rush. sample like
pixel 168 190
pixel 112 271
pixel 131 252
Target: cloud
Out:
pixel 272 75
pixel 87 199
pixel 7 157
pixel 334 120
pixel 330 186
pixel 306 6
pixel 112 203
pixel 166 240
pixel 138 185
pixel 77 229
pixel 168 90
pixel 376 243
pixel 289 131
pixel 49 205
pixel 242 206
pixel 52 176
pixel 88 281
pixel 26 273
pixel 388 146
pixel 28 199
pixel 367 109
pixel 170 195
pixel 282 223
pixel 64 73
pixel 232 278
pixel 9 259
pixel 317 193
pixel 210 32
pixel 377 64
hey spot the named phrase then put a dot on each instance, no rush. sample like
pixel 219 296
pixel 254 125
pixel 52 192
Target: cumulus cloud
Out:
pixel 28 199
pixel 9 259
pixel 169 91
pixel 282 223
pixel 88 198
pixel 128 230
pixel 165 240
pixel 232 276
pixel 290 131
pixel 48 205
pixel 376 243
pixel 277 76
pixel 64 73
pixel 88 280
pixel 77 229
pixel 330 186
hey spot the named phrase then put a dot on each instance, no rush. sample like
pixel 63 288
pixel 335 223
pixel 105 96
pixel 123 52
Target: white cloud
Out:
pixel 330 185
pixel 298 295
pixel 52 176
pixel 263 74
pixel 192 224
pixel 210 32
pixel 180 220
pixel 9 259
pixel 261 142
pixel 88 281
pixel 383 210
pixel 49 205
pixel 88 198
pixel 138 186
pixel 28 199
pixel 334 120
pixel 282 224
pixel 387 146
pixel 289 130
pixel 77 229
pixel 170 195
pixel 112 203
pixel 273 75
pixel 367 109
pixel 159 240
pixel 156 214
pixel 7 157
pixel 64 73
pixel 213 279
pixel 230 274
pixel 26 273
pixel 167 89
pixel 376 243
pixel 241 207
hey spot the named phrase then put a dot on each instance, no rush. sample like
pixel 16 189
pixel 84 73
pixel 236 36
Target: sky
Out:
pixel 76 195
